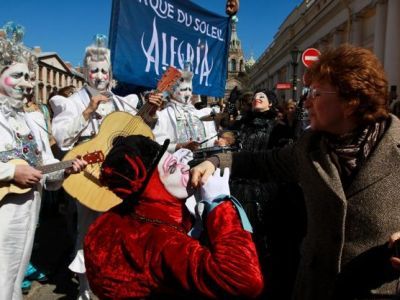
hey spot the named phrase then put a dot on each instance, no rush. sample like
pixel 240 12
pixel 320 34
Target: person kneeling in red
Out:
pixel 141 248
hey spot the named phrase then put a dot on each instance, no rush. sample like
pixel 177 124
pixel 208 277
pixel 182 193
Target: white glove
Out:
pixel 183 155
pixel 216 185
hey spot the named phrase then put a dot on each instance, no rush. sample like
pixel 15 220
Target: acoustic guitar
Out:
pixel 85 186
pixel 12 188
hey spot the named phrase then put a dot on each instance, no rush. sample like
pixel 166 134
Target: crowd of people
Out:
pixel 255 198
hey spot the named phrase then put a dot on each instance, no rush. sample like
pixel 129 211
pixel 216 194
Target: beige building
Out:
pixel 373 24
pixel 52 74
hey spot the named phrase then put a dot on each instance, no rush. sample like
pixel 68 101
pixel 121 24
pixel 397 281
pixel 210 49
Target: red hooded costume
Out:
pixel 143 251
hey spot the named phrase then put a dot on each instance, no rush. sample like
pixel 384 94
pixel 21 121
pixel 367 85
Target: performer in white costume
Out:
pixel 23 136
pixel 180 121
pixel 78 117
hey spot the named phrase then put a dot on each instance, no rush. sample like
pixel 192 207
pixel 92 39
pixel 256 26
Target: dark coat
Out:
pixel 344 253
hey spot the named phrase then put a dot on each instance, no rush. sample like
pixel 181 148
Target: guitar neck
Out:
pixel 55 167
pixel 146 107
pixel 144 110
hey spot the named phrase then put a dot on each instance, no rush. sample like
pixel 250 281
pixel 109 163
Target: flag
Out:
pixel 147 36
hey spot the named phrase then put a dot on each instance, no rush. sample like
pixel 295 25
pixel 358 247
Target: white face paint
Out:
pixel 15 81
pixel 174 174
pixel 183 92
pixel 260 102
pixel 99 75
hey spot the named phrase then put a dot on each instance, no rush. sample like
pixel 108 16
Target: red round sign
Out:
pixel 310 56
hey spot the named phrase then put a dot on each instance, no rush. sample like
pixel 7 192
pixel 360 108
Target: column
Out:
pixel 380 30
pixel 51 77
pixel 356 31
pixel 392 43
pixel 337 38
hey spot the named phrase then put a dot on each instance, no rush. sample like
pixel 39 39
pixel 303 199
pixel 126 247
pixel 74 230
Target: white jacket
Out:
pixel 37 124
pixel 68 123
pixel 166 127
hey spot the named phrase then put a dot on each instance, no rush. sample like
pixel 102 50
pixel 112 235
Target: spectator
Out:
pixel 347 166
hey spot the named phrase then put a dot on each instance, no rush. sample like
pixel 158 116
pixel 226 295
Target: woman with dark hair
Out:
pixel 348 167
pixel 256 194
pixel 256 125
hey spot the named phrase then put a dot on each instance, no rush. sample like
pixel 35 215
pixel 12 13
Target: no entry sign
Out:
pixel 310 56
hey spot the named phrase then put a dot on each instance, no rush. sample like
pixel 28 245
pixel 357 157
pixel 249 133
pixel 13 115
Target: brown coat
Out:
pixel 344 253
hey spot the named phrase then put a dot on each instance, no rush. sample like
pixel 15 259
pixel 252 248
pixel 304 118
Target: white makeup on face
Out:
pixel 15 80
pixel 174 175
pixel 183 92
pixel 98 75
pixel 260 102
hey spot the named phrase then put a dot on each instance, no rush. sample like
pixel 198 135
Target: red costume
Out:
pixel 147 252
pixel 141 248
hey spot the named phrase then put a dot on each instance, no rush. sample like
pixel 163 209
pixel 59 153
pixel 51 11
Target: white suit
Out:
pixel 166 127
pixel 19 213
pixel 68 122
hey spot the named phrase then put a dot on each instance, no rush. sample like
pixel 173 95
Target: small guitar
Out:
pixel 12 188
pixel 94 195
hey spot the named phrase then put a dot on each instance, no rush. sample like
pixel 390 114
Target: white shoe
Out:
pixel 84 295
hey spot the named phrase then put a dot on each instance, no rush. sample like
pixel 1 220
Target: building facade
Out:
pixel 373 24
pixel 52 74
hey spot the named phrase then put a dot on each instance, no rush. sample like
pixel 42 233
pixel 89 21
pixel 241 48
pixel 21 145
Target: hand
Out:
pixel 183 155
pixel 156 100
pixel 395 261
pixel 93 105
pixel 216 185
pixel 201 173
pixel 77 166
pixel 191 145
pixel 27 176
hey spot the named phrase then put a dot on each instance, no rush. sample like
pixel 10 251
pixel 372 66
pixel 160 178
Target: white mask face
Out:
pixel 183 92
pixel 174 174
pixel 98 75
pixel 260 102
pixel 15 81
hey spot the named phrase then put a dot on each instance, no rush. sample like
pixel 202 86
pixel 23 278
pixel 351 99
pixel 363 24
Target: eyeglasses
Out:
pixel 313 93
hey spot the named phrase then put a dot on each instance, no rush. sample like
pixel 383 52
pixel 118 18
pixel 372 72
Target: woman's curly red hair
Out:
pixel 360 80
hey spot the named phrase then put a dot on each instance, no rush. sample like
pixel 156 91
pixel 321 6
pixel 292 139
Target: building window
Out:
pixel 233 65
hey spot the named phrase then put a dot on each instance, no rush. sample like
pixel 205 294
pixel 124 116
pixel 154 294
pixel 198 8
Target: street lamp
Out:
pixel 295 55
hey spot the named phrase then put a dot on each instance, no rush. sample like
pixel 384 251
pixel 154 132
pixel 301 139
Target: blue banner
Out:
pixel 147 36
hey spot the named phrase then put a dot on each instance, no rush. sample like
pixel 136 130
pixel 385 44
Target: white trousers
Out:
pixel 19 216
pixel 86 217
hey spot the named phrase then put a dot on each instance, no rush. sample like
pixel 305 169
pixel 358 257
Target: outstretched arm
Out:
pixel 228 266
